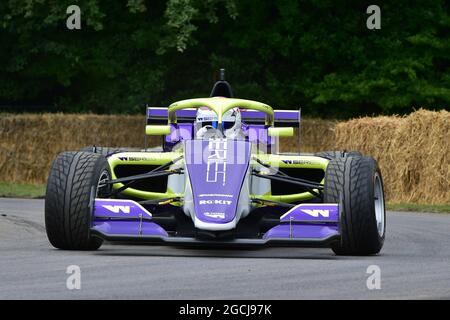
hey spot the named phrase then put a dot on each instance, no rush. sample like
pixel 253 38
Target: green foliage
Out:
pixel 317 54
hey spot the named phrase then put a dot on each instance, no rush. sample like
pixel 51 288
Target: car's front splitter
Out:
pixel 312 225
pixel 188 241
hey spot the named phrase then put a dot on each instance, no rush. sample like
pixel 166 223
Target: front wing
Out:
pixel 305 225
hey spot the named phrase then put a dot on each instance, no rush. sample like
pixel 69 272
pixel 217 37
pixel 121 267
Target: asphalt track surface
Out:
pixel 414 264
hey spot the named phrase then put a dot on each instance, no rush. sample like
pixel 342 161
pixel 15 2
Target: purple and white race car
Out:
pixel 217 180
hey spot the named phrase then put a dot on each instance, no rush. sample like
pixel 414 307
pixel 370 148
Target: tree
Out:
pixel 317 54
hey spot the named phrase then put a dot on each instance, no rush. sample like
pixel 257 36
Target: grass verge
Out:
pixel 435 208
pixel 21 190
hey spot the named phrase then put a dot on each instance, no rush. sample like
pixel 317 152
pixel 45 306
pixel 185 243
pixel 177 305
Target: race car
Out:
pixel 216 180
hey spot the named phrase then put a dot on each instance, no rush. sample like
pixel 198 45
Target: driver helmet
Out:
pixel 206 117
pixel 232 123
pixel 206 123
pixel 207 120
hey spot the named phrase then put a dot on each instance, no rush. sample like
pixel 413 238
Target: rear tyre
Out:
pixel 72 184
pixel 356 183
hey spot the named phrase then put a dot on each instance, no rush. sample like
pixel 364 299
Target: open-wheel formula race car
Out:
pixel 217 180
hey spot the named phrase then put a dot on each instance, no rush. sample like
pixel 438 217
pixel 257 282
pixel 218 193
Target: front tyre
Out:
pixel 356 183
pixel 73 182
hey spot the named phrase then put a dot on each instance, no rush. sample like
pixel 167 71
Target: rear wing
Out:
pixel 283 118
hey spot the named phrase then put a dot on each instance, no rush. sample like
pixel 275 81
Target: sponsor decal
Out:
pixel 317 212
pixel 117 209
pixel 215 195
pixel 207 118
pixel 313 212
pixel 216 215
pixel 134 158
pixel 217 161
pixel 296 161
pixel 226 202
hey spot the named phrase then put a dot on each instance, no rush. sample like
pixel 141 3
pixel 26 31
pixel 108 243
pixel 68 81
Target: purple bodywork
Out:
pixel 124 217
pixel 305 221
pixel 256 134
pixel 254 126
pixel 216 170
pixel 309 221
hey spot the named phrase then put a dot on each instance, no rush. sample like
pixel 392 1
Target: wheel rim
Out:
pixel 379 204
pixel 101 188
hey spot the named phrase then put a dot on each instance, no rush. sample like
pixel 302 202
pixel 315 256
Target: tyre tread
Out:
pixel 67 200
pixel 348 179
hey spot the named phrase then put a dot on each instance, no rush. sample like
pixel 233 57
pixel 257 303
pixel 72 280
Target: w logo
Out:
pixel 117 209
pixel 316 212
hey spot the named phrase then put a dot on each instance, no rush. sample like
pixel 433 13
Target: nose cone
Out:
pixel 217 170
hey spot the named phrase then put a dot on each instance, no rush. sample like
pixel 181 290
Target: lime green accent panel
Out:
pixel 142 158
pixel 220 105
pixel 281 132
pixel 157 130
pixel 288 197
pixel 153 158
pixel 292 161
